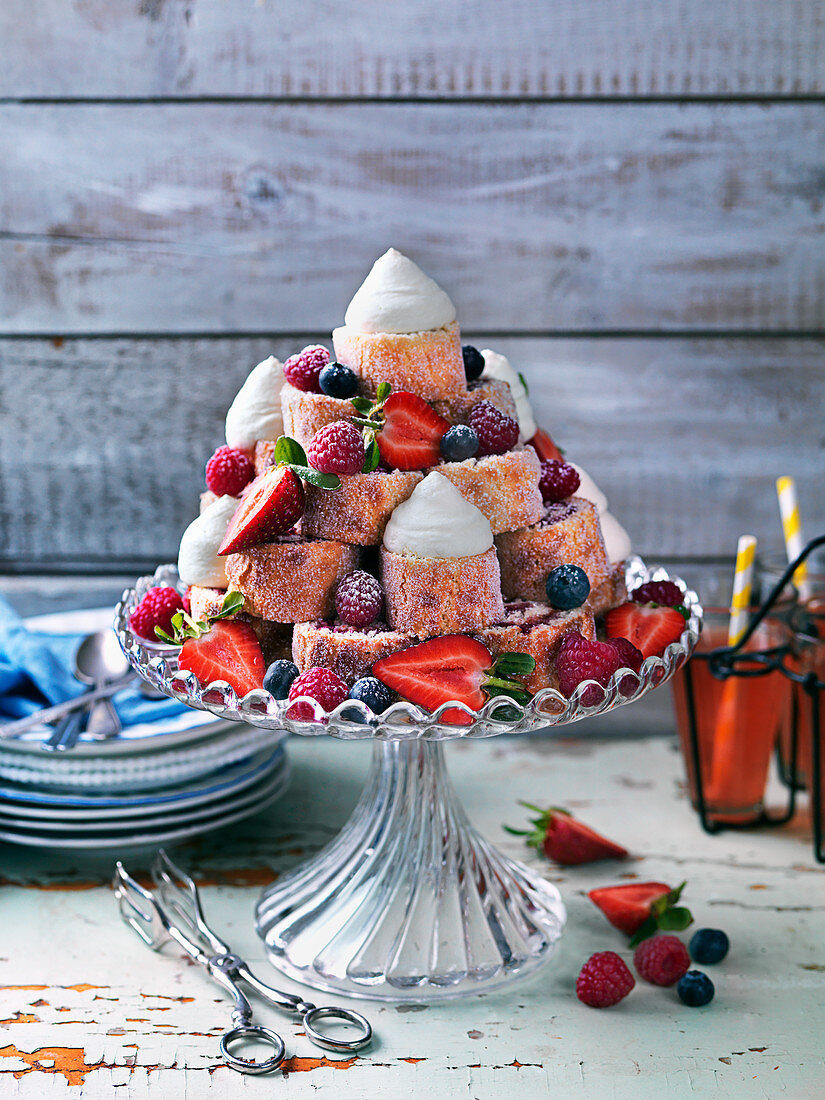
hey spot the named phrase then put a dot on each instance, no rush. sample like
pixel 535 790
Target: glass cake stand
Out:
pixel 409 902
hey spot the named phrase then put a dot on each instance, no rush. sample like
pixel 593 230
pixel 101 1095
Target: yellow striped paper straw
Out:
pixel 742 579
pixel 792 528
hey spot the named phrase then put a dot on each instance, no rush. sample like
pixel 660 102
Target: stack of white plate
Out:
pixel 156 783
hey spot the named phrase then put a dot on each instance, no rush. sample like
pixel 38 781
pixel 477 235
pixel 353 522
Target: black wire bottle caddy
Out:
pixel 726 662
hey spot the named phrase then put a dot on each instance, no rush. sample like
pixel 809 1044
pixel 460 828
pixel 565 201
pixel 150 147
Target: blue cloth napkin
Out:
pixel 35 672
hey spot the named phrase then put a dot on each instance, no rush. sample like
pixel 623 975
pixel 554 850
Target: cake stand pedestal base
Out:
pixel 409 902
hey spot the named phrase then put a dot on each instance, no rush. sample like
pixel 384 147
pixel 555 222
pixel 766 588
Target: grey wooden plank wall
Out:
pixel 626 196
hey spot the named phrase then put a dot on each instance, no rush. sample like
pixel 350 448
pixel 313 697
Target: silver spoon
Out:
pixel 99 661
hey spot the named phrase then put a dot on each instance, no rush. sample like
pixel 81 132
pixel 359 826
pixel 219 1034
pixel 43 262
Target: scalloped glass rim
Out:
pixel 353 720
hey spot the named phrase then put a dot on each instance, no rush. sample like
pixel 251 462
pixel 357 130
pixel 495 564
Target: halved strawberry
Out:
pixel 411 435
pixel 544 446
pixel 639 909
pixel 565 839
pixel 229 651
pixel 272 504
pixel 650 628
pixel 453 667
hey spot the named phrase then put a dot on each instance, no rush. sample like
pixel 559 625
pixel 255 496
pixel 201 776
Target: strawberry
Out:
pixel 565 839
pixel 226 651
pixel 453 668
pixel 544 446
pixel 650 628
pixel 406 430
pixel 639 909
pixel 272 504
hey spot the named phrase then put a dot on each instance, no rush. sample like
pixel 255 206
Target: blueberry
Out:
pixel 371 691
pixel 458 443
pixel 336 380
pixel 279 677
pixel 709 945
pixel 695 989
pixel 473 362
pixel 567 587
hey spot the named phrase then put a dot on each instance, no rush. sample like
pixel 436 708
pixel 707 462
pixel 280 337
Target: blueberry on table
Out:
pixel 695 989
pixel 459 443
pixel 336 380
pixel 709 945
pixel 567 587
pixel 278 678
pixel 473 362
pixel 371 691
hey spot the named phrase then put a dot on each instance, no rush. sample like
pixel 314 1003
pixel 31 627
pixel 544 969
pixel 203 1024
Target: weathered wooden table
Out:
pixel 86 1009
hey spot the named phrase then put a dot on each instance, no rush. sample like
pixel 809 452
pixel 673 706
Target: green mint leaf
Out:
pixel 647 930
pixel 289 452
pixel 514 664
pixel 523 381
pixel 361 404
pixel 383 392
pixel 675 920
pixel 164 637
pixel 315 477
pixel 232 603
pixel 372 457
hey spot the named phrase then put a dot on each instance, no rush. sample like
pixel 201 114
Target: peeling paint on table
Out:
pixel 85 1010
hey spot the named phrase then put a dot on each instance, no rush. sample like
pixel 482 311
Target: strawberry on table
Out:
pixel 453 668
pixel 649 627
pixel 227 651
pixel 640 909
pixel 565 839
pixel 273 503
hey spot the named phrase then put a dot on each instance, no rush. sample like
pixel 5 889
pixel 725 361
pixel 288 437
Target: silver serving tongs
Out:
pixel 173 911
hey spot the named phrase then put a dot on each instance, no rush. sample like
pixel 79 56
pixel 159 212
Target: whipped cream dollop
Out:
pixel 498 366
pixel 437 522
pixel 616 539
pixel 397 296
pixel 256 411
pixel 198 561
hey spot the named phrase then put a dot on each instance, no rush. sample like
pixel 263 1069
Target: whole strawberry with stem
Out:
pixel 565 839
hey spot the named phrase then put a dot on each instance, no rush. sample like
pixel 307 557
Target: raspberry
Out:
pixel 496 431
pixel 359 599
pixel 156 609
pixel 662 960
pixel 320 684
pixel 558 481
pixel 303 370
pixel 664 593
pixel 578 659
pixel 229 471
pixel 337 448
pixel 604 980
pixel 629 657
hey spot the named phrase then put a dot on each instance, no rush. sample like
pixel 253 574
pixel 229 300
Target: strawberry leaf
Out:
pixel 164 637
pixel 361 404
pixel 383 392
pixel 676 919
pixel 289 452
pixel 514 664
pixel 372 457
pixel 647 930
pixel 523 381
pixel 232 603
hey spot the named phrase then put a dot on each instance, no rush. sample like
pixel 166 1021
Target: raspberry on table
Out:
pixel 359 598
pixel 604 980
pixel 664 593
pixel 156 608
pixel 320 684
pixel 304 369
pixel 558 481
pixel 229 471
pixel 579 659
pixel 473 362
pixel 497 432
pixel 337 448
pixel 629 657
pixel 662 960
